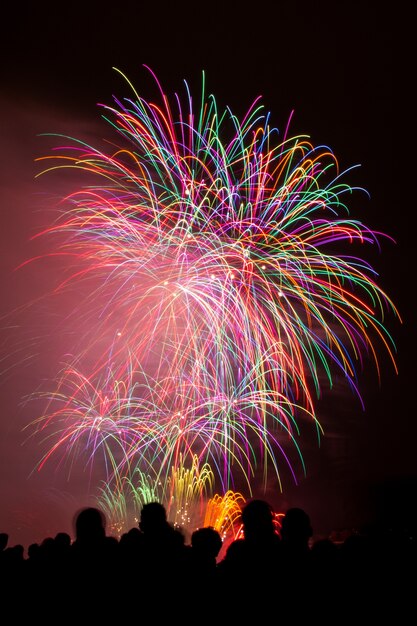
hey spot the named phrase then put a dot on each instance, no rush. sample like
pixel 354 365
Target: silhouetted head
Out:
pixel 207 542
pixel 90 525
pixel 62 540
pixel 131 539
pixel 48 545
pixel 133 534
pixel 258 519
pixel 153 517
pixel 18 552
pixel 296 527
pixel 34 550
pixel 4 538
pixel 324 550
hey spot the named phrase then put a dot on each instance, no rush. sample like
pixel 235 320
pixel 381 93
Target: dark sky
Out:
pixel 344 69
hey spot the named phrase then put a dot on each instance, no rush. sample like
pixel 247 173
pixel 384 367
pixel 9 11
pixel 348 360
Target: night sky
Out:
pixel 344 72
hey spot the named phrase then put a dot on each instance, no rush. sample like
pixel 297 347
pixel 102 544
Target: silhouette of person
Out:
pixel 162 552
pixel 206 544
pixel 296 531
pixel 90 552
pixel 258 523
pixel 90 526
pixel 299 581
pixel 4 538
pixel 251 561
pixel 93 559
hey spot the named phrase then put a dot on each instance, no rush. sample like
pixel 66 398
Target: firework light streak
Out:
pixel 184 493
pixel 204 246
pixel 223 514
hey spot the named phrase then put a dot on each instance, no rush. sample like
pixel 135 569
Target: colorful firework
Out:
pixel 184 493
pixel 187 492
pixel 204 247
pixel 223 514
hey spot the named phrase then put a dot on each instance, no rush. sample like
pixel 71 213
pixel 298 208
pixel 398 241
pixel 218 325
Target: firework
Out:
pixel 215 301
pixel 184 492
pixel 223 514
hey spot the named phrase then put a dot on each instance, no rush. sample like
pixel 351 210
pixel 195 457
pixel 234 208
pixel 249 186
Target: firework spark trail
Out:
pixel 223 514
pixel 206 244
pixel 185 493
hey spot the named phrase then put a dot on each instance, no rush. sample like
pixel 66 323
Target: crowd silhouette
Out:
pixel 266 569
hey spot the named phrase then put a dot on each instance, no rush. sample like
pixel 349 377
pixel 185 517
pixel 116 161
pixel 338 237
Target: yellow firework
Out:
pixel 223 513
pixel 187 490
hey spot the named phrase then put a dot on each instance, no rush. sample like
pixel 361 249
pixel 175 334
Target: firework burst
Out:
pixel 206 249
